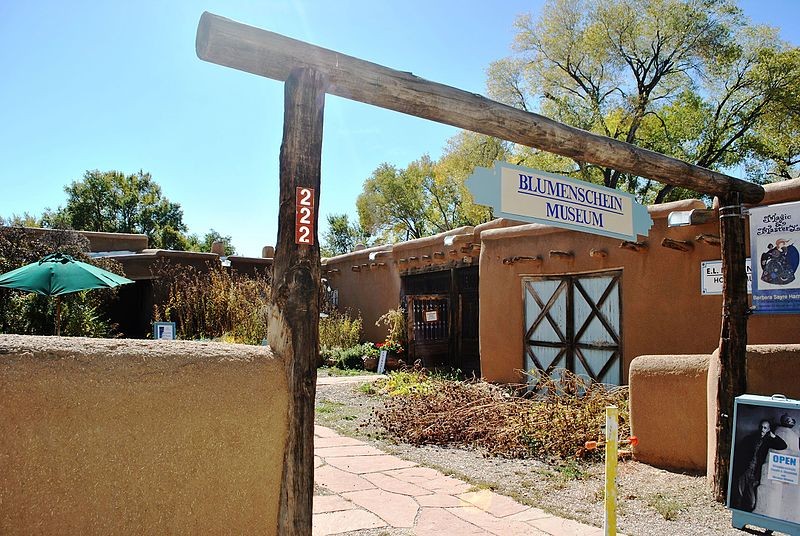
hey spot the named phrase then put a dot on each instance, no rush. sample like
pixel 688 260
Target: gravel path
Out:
pixel 652 502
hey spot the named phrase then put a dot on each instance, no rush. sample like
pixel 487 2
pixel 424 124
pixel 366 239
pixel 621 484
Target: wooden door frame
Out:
pixel 570 336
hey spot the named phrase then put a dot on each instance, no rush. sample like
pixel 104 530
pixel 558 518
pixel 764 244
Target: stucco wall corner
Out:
pixel 101 436
pixel 667 396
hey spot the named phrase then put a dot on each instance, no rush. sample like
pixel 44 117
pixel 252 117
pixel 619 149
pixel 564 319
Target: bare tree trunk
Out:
pixel 663 193
pixel 294 317
pixel 732 380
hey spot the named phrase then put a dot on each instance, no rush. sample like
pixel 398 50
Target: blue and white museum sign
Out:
pixel 534 196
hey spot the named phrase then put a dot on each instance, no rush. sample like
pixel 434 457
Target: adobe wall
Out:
pixel 667 405
pixel 771 369
pixel 125 437
pixel 662 305
pixel 369 281
pixel 368 286
pixel 673 398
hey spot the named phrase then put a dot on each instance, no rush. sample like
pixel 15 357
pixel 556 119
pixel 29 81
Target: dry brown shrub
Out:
pixel 554 422
pixel 212 304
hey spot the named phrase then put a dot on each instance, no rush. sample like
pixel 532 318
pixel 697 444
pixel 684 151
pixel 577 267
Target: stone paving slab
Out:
pixel 352 450
pixel 338 441
pixel 368 464
pixel 374 490
pixel 395 485
pixel 331 503
pixel 397 510
pixel 440 500
pixel 439 522
pixel 321 431
pixel 492 524
pixel 493 503
pixel 346 521
pixel 339 481
pixel 446 484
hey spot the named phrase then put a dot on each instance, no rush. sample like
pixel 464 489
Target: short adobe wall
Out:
pixel 672 400
pixel 125 437
pixel 771 369
pixel 667 404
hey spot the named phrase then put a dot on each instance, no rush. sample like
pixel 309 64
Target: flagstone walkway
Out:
pixel 370 489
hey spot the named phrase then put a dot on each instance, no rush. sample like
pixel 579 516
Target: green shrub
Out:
pixel 406 383
pixel 395 322
pixel 350 358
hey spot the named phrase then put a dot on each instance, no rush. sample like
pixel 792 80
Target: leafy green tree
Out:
pixel 342 236
pixel 194 243
pixel 110 201
pixel 689 78
pixel 21 220
pixel 393 202
pixel 427 197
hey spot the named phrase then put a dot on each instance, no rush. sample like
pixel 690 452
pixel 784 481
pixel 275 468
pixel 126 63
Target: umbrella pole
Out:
pixel 58 316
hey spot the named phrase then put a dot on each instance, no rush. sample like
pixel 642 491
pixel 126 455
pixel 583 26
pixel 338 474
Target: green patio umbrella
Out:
pixel 59 274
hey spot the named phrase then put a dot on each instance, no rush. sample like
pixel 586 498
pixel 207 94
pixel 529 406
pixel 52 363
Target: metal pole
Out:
pixel 610 519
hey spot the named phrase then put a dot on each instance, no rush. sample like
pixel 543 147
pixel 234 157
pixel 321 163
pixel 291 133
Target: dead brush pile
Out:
pixel 554 422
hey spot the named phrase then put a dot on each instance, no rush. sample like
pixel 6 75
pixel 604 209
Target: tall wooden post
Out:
pixel 294 316
pixel 732 380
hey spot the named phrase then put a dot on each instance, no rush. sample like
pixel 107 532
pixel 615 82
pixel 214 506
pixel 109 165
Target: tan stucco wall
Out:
pixel 371 286
pixel 771 369
pixel 139 437
pixel 673 398
pixel 667 405
pixel 662 306
pixel 371 291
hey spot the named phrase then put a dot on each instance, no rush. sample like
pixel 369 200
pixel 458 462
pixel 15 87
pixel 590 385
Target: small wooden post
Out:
pixel 612 436
pixel 294 313
pixel 732 380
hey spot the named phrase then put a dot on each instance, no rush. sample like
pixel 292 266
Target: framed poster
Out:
pixel 764 476
pixel 774 239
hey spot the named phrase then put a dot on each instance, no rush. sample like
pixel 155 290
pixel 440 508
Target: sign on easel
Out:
pixel 763 483
pixel 164 331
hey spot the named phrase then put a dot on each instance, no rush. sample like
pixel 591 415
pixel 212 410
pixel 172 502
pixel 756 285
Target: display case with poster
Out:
pixel 764 483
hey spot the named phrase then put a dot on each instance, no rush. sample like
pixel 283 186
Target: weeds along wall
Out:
pixel 103 436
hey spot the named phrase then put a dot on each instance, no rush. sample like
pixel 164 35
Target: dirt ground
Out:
pixel 652 502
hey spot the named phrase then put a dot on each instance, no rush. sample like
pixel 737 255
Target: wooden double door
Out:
pixel 442 319
pixel 574 322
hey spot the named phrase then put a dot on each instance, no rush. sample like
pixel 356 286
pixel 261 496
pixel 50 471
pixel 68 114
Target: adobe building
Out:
pixel 133 309
pixel 505 297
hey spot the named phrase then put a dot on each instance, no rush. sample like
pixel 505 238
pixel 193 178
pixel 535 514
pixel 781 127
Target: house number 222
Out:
pixel 304 216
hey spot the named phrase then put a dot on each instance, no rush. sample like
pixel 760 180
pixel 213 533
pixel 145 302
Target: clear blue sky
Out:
pixel 117 85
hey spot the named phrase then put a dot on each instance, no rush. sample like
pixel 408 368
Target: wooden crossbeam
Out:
pixel 254 50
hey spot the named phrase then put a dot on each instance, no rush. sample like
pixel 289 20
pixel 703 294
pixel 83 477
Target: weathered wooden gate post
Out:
pixel 294 316
pixel 732 380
